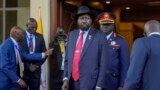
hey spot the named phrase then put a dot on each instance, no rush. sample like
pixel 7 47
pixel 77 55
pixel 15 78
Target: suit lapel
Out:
pixel 73 39
pixel 88 41
pixel 26 43
pixel 13 50
pixel 36 43
pixel 111 38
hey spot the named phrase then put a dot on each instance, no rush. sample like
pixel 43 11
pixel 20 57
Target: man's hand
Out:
pixel 65 85
pixel 120 88
pixel 22 83
pixel 33 67
pixel 49 52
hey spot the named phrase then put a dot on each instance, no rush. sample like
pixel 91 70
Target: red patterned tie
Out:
pixel 76 59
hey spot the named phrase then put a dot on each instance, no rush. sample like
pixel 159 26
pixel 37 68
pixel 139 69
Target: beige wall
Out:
pixel 126 30
pixel 22 16
pixel 45 14
pixel 23 12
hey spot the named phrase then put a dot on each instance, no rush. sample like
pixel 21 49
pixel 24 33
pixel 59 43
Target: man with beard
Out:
pixel 119 55
pixel 86 55
pixel 10 60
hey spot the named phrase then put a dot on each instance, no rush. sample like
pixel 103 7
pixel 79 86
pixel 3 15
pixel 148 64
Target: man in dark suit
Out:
pixel 144 73
pixel 10 58
pixel 33 43
pixel 119 55
pixel 57 64
pixel 86 55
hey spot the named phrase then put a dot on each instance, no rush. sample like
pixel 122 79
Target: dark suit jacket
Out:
pixel 55 67
pixel 93 62
pixel 57 58
pixel 144 70
pixel 39 48
pixel 8 65
pixel 118 63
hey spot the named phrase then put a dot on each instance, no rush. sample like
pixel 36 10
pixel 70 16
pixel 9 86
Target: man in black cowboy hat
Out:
pixel 86 55
pixel 119 56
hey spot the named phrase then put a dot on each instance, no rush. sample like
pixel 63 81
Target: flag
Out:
pixel 43 67
pixel 40 26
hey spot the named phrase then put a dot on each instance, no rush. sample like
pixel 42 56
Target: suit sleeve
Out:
pixel 138 60
pixel 43 48
pixel 6 61
pixel 124 61
pixel 53 57
pixel 104 58
pixel 30 57
pixel 34 56
pixel 54 54
pixel 65 74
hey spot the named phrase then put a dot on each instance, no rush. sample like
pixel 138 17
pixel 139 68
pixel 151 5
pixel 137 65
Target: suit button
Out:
pixel 114 74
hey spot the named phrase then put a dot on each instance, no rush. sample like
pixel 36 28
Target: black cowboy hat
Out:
pixel 81 11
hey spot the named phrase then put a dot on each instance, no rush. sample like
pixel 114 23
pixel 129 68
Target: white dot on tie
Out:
pixel 77 51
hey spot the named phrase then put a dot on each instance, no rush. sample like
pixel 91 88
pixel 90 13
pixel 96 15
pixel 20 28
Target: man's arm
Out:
pixel 138 60
pixel 103 61
pixel 124 61
pixel 35 56
pixel 43 49
pixel 6 60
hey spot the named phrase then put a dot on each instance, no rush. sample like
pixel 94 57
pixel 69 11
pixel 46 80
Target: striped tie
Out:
pixel 19 61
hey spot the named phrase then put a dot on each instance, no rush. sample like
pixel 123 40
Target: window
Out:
pixel 1 3
pixel 1 26
pixel 11 20
pixel 11 3
pixel 12 13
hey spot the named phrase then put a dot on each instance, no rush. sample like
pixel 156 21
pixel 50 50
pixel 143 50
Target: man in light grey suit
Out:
pixel 144 70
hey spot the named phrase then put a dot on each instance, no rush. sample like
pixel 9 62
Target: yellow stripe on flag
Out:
pixel 40 26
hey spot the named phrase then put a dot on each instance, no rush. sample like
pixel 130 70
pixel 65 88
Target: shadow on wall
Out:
pixel 137 32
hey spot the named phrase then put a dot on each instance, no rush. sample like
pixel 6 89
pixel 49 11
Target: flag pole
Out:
pixel 39 11
pixel 43 81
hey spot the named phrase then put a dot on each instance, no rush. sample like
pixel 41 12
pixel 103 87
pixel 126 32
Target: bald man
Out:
pixel 144 70
pixel 9 60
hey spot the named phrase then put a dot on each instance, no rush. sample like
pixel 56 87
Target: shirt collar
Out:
pixel 14 41
pixel 28 34
pixel 85 31
pixel 154 33
pixel 108 36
